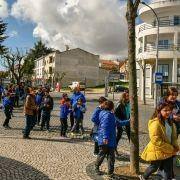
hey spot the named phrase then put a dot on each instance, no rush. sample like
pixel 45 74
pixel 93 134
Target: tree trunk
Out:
pixel 134 143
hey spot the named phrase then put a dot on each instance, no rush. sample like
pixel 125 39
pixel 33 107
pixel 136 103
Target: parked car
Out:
pixel 75 84
pixel 119 88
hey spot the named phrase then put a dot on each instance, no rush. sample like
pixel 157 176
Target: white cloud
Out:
pixel 97 26
pixel 3 9
pixel 13 33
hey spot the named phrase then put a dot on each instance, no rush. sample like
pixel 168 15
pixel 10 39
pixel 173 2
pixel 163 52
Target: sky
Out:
pixel 97 26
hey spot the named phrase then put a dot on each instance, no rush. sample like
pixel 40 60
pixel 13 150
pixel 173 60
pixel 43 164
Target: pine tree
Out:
pixel 36 52
pixel 3 27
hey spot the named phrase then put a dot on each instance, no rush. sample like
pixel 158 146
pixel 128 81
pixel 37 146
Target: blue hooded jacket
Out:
pixel 79 111
pixel 76 96
pixel 107 128
pixel 95 116
pixel 39 97
pixel 1 89
pixel 7 104
pixel 95 120
pixel 64 111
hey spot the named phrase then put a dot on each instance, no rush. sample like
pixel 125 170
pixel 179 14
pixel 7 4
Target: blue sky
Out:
pixel 24 38
pixel 63 24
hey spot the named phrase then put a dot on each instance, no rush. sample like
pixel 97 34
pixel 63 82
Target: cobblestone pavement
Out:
pixel 47 156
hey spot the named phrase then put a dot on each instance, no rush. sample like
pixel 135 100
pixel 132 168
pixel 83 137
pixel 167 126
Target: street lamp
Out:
pixel 157 50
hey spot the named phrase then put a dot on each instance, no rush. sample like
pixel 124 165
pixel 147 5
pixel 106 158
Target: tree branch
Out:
pixel 136 5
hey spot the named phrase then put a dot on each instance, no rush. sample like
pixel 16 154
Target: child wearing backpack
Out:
pixel 78 109
pixel 95 120
pixel 8 107
pixel 64 111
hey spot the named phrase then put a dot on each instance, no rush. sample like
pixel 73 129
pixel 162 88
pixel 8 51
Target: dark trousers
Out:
pixel 38 116
pixel 64 126
pixel 105 151
pixel 16 101
pixel 30 121
pixel 78 123
pixel 96 148
pixel 7 113
pixel 120 131
pixel 166 165
pixel 45 120
pixel 72 120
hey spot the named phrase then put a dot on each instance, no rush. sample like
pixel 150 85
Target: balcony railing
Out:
pixel 168 47
pixel 164 1
pixel 162 23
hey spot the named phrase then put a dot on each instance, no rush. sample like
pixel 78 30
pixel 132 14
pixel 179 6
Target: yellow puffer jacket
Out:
pixel 159 147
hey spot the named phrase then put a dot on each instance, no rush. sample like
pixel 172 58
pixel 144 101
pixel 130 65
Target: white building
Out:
pixel 168 12
pixel 70 65
pixel 38 70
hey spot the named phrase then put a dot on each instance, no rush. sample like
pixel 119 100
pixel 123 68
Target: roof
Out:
pixel 109 64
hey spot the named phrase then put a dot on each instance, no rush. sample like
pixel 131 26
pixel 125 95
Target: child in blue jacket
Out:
pixel 64 111
pixel 95 120
pixel 8 107
pixel 107 137
pixel 78 111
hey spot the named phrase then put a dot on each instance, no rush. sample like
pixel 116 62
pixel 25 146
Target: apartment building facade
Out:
pixel 68 66
pixel 168 12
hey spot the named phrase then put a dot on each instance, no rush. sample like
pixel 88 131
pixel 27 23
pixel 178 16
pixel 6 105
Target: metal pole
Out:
pixel 157 52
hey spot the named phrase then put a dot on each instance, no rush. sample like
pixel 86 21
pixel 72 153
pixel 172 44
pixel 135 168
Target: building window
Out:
pixel 164 44
pixel 148 73
pixel 176 20
pixel 164 69
pixel 178 72
pixel 50 59
pixel 50 70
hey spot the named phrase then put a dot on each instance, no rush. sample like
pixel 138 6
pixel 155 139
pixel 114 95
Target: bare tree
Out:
pixel 13 62
pixel 59 76
pixel 131 14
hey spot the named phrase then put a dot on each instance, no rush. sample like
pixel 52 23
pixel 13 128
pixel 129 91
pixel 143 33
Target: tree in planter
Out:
pixel 131 14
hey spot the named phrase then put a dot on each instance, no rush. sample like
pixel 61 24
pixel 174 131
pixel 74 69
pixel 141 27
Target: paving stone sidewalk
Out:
pixel 47 156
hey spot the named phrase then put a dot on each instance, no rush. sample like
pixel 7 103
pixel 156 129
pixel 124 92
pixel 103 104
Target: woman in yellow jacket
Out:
pixel 163 143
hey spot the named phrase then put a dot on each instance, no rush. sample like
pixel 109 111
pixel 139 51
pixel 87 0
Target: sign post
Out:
pixel 158 78
pixel 158 81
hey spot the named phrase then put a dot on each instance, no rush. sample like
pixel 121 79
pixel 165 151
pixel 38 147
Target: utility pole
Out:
pixel 157 53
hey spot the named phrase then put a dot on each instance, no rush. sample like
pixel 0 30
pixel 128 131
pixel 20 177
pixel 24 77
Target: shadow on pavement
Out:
pixel 12 169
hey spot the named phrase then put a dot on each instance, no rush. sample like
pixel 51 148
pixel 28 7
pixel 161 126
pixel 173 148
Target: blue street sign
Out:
pixel 158 78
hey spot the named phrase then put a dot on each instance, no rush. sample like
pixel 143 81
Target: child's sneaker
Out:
pixel 178 162
pixel 141 177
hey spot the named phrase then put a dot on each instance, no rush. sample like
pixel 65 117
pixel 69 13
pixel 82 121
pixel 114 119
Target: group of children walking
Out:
pixel 77 109
pixel 164 126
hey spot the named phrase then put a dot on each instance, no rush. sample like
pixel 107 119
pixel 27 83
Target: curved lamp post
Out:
pixel 157 50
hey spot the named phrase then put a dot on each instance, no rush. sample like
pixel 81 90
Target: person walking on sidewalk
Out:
pixel 171 97
pixel 95 120
pixel 39 97
pixel 46 106
pixel 163 142
pixel 30 110
pixel 107 137
pixel 122 112
pixel 76 95
pixel 78 109
pixel 8 107
pixel 64 111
